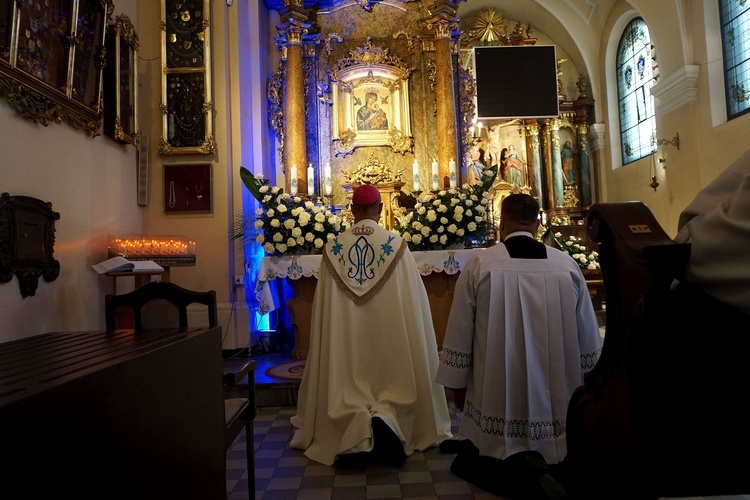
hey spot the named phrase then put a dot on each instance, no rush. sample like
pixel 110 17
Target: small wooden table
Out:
pixel 117 414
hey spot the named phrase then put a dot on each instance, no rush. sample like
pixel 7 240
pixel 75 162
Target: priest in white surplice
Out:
pixel 368 390
pixel 521 333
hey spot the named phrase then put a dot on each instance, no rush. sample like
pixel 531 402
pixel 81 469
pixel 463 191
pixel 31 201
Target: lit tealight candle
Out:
pixel 435 176
pixel 293 180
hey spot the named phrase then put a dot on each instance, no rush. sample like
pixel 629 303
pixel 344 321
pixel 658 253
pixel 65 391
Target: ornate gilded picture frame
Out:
pixel 370 98
pixel 188 188
pixel 121 82
pixel 187 110
pixel 51 60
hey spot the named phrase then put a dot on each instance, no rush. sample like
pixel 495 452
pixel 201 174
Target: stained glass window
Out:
pixel 635 76
pixel 735 41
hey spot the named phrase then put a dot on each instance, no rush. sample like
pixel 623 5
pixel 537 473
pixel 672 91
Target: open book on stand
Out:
pixel 122 265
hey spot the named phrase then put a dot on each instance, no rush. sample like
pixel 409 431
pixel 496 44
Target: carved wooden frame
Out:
pixel 27 240
pixel 121 82
pixel 50 67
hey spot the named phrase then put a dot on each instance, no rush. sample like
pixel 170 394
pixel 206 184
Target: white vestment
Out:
pixel 373 351
pixel 717 224
pixel 520 335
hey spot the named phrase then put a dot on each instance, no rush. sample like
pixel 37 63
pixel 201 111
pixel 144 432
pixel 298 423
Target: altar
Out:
pixel 439 270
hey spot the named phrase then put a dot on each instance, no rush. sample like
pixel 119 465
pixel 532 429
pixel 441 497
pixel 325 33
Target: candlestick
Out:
pixel 310 179
pixel 479 129
pixel 293 182
pixel 435 177
pixel 328 180
pixel 452 168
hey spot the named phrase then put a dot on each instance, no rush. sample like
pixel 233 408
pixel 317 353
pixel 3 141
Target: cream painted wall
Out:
pixel 217 259
pixel 705 149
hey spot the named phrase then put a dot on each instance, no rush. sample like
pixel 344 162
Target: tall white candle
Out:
pixel 479 129
pixel 435 176
pixel 310 179
pixel 327 181
pixel 293 181
pixel 415 175
pixel 453 173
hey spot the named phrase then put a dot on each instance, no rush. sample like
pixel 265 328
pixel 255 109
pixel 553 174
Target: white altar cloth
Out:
pixel 297 266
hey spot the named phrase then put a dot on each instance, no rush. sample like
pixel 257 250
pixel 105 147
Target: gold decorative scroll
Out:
pixel 373 172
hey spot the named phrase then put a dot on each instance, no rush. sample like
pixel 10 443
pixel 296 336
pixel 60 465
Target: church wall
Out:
pixel 705 150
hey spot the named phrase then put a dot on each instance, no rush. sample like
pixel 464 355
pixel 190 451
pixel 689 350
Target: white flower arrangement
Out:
pixel 585 258
pixel 285 223
pixel 445 218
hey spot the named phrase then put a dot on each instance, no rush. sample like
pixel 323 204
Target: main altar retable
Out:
pixel 439 270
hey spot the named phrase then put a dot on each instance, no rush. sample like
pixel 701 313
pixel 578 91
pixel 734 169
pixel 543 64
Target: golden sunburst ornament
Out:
pixel 489 26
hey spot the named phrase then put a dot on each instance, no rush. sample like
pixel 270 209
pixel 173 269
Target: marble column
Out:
pixel 295 144
pixel 585 164
pixel 534 153
pixel 445 27
pixel 549 200
pixel 557 173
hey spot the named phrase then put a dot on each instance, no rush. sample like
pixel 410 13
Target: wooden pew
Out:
pixel 662 413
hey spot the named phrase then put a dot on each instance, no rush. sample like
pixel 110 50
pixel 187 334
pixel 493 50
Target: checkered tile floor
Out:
pixel 283 473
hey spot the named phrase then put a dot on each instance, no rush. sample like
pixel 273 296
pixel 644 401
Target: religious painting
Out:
pixel 187 188
pixel 506 148
pixel 370 91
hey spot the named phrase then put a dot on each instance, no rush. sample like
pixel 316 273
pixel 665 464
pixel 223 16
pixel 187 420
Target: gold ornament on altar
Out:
pixel 399 142
pixel 373 172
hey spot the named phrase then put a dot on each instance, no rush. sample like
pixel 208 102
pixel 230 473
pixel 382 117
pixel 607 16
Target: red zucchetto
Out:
pixel 366 194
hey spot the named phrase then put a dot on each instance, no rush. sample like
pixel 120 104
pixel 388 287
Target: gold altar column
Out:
pixel 295 147
pixel 445 25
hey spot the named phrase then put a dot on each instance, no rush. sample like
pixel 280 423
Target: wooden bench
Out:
pixel 663 411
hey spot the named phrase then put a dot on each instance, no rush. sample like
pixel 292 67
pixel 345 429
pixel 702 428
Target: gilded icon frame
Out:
pixel 187 109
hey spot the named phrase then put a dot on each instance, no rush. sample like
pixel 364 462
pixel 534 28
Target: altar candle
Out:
pixel 415 175
pixel 310 179
pixel 293 181
pixel 435 177
pixel 452 167
pixel 328 180
pixel 479 129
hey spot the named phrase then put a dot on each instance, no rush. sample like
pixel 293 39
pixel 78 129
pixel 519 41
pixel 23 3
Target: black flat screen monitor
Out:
pixel 518 81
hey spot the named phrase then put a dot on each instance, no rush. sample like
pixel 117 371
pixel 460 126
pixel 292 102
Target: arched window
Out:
pixel 735 42
pixel 636 104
